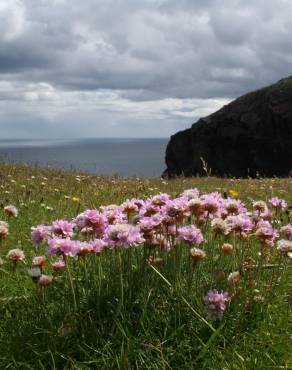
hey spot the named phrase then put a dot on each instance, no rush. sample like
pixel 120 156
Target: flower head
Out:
pixel 62 228
pixel 220 226
pixel 216 304
pixel 11 211
pixel 16 255
pixel 287 231
pixel 45 280
pixel 227 248
pixel 40 233
pixel 63 247
pixel 234 277
pixel 122 235
pixel 190 234
pixel 59 265
pixel 39 261
pixel 197 254
pixel 4 230
pixel 284 246
pixel 278 203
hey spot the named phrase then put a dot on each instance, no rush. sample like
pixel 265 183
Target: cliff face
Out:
pixel 252 134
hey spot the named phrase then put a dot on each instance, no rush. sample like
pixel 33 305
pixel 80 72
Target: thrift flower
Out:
pixel 287 231
pixel 234 277
pixel 216 304
pixel 11 211
pixel 16 255
pixel 40 233
pixel 220 226
pixel 4 230
pixel 197 254
pixel 59 265
pixel 62 228
pixel 278 203
pixel 63 247
pixel 45 280
pixel 122 235
pixel 39 261
pixel 227 248
pixel 190 234
pixel 284 246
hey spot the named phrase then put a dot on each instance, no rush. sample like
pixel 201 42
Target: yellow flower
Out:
pixel 233 193
pixel 76 199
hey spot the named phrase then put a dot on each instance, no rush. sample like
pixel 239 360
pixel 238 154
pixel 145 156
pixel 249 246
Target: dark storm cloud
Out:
pixel 146 50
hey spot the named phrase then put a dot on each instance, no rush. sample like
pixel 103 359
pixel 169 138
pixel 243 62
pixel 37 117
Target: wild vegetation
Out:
pixel 113 273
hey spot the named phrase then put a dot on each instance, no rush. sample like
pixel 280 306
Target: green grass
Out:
pixel 128 314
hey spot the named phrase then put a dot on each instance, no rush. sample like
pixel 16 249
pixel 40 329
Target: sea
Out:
pixel 113 157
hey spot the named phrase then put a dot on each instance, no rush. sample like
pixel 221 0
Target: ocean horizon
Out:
pixel 126 157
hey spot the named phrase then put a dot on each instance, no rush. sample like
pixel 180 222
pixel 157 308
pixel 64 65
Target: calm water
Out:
pixel 125 157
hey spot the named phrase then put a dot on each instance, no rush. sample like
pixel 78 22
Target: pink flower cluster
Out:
pixel 160 221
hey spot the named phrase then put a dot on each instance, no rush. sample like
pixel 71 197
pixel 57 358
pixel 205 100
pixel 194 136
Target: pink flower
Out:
pixel 64 247
pixel 278 203
pixel 177 208
pixel 196 206
pixel 83 248
pixel 59 265
pixel 97 245
pixel 160 199
pixel 129 206
pixel 190 193
pixel 216 304
pixel 234 206
pixel 220 226
pixel 62 228
pixel 190 234
pixel 287 231
pixel 234 277
pixel 11 211
pixel 16 255
pixel 40 233
pixel 211 202
pixel 122 235
pixel 45 280
pixel 92 221
pixel 147 224
pixel 266 234
pixel 114 215
pixel 240 223
pixel 284 246
pixel 197 254
pixel 4 230
pixel 39 261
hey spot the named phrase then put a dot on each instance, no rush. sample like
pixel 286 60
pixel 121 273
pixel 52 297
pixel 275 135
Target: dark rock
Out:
pixel 251 136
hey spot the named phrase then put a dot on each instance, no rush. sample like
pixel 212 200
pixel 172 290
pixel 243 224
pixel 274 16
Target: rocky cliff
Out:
pixel 251 135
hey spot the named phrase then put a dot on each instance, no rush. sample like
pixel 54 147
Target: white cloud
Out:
pixel 128 62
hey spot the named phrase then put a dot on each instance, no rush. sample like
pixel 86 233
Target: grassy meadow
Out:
pixel 141 307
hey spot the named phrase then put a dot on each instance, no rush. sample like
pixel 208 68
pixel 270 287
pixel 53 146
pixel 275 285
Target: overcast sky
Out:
pixel 133 68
